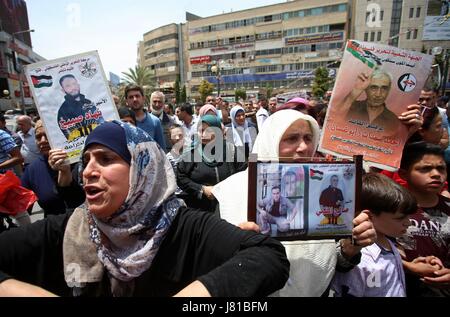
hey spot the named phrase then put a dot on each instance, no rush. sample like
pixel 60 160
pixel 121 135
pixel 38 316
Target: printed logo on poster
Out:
pixel 407 82
pixel 88 70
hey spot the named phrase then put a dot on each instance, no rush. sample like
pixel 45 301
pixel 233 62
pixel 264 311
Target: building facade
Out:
pixel 14 42
pixel 280 46
pixel 161 51
pixel 277 46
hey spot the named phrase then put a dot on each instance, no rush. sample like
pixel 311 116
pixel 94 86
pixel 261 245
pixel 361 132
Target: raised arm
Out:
pixel 362 82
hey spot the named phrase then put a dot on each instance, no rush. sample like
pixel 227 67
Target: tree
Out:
pixel 322 82
pixel 269 91
pixel 240 93
pixel 205 89
pixel 183 96
pixel 142 77
pixel 177 91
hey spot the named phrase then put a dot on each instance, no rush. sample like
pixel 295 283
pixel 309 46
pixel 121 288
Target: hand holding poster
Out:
pixel 73 98
pixel 375 84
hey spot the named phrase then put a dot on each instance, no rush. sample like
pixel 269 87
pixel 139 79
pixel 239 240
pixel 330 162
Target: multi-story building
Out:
pixel 15 41
pixel 418 25
pixel 276 46
pixel 162 52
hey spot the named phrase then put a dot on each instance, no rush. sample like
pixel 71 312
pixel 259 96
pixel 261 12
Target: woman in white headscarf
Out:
pixel 289 136
pixel 243 133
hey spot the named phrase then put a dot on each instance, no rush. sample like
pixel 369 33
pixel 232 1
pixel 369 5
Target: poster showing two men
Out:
pixel 375 84
pixel 73 98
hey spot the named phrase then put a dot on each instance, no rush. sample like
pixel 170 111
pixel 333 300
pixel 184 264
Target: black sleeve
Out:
pixel 230 261
pixel 73 195
pixel 33 254
pixel 183 178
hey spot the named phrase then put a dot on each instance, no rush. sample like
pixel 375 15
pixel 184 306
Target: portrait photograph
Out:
pixel 306 200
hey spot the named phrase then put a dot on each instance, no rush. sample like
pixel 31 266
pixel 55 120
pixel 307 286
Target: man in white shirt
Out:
pixel 262 114
pixel 29 149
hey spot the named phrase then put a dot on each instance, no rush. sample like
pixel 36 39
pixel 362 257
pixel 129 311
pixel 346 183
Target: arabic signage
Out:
pixel 317 38
pixel 376 86
pixel 230 79
pixel 73 97
pixel 200 60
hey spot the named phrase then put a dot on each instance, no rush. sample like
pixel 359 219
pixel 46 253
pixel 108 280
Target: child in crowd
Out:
pixel 380 272
pixel 426 244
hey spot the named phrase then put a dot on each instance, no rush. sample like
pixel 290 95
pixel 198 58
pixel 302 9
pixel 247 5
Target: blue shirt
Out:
pixel 152 125
pixel 42 180
pixel 379 274
pixel 7 144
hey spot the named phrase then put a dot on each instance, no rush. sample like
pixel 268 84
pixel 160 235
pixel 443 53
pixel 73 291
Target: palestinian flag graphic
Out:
pixel 42 81
pixel 363 55
pixel 315 174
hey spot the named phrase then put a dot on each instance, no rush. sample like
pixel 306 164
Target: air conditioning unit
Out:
pixel 251 57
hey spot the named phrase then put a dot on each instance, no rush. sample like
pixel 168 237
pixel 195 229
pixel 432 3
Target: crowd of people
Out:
pixel 144 212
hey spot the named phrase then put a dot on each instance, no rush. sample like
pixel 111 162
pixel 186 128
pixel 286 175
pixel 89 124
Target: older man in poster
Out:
pixel 371 112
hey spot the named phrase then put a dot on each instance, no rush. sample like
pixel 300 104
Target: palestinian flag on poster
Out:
pixel 315 174
pixel 362 54
pixel 42 81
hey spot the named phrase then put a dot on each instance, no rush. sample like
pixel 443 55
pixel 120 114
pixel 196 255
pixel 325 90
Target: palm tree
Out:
pixel 142 77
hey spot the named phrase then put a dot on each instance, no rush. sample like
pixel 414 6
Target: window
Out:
pixel 418 12
pixel 372 36
pixel 268 18
pixel 379 36
pixel 415 34
pixel 381 15
pixel 411 12
pixel 408 35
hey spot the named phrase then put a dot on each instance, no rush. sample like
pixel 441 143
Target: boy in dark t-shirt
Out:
pixel 426 244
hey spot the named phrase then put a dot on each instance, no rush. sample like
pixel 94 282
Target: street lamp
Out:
pixel 217 70
pixel 18 67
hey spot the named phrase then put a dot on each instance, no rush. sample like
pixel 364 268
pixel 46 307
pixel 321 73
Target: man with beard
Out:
pixel 77 116
pixel 157 108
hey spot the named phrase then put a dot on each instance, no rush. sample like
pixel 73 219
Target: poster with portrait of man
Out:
pixel 374 85
pixel 72 97
pixel 301 201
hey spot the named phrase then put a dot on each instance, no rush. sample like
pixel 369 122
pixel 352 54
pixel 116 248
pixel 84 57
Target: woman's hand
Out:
pixel 249 226
pixel 412 118
pixel 364 234
pixel 195 289
pixel 15 288
pixel 56 159
pixel 423 266
pixel 207 191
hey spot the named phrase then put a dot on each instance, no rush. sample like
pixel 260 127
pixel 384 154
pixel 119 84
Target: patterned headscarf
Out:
pixel 128 240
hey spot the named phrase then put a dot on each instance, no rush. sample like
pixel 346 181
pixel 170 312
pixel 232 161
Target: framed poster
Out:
pixel 375 84
pixel 72 97
pixel 305 201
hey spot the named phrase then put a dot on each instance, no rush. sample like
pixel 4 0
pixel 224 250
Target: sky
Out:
pixel 113 27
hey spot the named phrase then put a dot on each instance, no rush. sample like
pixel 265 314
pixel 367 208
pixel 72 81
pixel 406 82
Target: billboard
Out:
pixel 14 18
pixel 436 28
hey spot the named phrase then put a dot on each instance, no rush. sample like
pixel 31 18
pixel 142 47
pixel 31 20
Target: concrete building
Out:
pixel 15 40
pixel 276 46
pixel 414 24
pixel 162 52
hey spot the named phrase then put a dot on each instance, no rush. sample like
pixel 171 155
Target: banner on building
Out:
pixel 73 97
pixel 374 85
pixel 317 38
